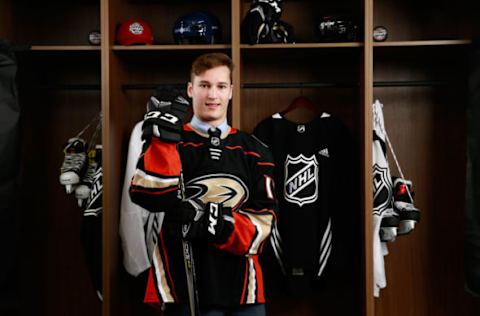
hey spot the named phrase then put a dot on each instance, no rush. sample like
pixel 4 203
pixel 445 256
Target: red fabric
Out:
pixel 259 273
pixel 240 240
pixel 162 158
pixel 151 296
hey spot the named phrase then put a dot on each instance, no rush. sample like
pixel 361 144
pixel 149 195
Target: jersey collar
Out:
pixel 203 127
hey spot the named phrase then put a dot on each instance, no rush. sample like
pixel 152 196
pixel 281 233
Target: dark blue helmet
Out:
pixel 197 27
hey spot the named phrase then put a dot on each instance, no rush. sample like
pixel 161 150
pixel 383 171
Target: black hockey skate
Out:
pixel 403 204
pixel 74 163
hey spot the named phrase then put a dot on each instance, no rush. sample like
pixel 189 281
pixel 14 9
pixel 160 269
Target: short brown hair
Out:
pixel 208 61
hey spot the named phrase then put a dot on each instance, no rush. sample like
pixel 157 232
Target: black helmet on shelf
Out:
pixel 198 27
pixel 337 28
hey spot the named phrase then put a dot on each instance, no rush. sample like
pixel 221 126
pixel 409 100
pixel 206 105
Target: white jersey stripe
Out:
pixel 161 280
pixel 252 284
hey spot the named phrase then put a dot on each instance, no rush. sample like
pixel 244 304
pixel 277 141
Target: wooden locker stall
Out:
pixel 131 74
pixel 58 80
pixel 421 76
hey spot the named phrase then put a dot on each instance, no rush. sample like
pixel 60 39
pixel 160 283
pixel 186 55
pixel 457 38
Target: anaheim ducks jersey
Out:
pixel 313 179
pixel 233 169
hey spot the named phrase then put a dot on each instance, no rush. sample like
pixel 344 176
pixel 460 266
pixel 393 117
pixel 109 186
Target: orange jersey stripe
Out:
pixel 192 144
pixel 135 190
pixel 266 164
pixel 245 152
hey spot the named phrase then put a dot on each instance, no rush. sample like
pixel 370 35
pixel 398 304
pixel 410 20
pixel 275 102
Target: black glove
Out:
pixel 166 120
pixel 211 222
pixel 258 23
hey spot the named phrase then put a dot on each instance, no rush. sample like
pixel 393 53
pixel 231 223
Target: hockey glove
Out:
pixel 258 22
pixel 166 120
pixel 211 222
pixel 403 204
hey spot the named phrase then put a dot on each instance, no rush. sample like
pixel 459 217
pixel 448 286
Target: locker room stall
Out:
pixel 419 73
pixel 58 81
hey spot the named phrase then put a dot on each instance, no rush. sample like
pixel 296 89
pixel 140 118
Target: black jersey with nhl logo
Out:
pixel 313 184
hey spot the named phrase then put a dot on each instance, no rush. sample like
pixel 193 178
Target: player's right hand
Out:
pixel 166 119
pixel 211 221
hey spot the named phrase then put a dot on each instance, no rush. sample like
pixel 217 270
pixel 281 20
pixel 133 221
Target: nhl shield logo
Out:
pixel 382 189
pixel 301 179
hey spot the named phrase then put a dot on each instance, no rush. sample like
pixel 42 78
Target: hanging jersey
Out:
pixel 235 170
pixel 91 229
pixel 138 227
pixel 382 201
pixel 314 188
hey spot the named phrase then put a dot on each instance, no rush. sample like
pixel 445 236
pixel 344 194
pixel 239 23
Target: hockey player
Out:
pixel 229 207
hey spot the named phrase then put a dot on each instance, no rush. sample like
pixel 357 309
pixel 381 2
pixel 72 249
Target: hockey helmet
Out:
pixel 337 28
pixel 134 31
pixel 198 27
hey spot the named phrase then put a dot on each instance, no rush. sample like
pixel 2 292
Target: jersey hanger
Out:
pixel 300 102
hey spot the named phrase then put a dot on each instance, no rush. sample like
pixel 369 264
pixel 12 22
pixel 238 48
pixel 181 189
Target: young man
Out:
pixel 228 207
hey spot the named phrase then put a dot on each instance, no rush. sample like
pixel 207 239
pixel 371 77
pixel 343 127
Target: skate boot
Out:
pixel 74 163
pixel 403 204
pixel 389 225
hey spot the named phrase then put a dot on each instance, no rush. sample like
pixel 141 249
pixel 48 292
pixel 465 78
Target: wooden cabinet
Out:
pixel 58 81
pixel 419 73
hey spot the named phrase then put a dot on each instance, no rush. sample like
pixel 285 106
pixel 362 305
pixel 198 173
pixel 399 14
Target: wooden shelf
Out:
pixel 257 46
pixel 64 48
pixel 172 47
pixel 301 45
pixel 423 43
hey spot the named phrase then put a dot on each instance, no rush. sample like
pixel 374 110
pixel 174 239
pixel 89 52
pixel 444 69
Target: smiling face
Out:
pixel 211 92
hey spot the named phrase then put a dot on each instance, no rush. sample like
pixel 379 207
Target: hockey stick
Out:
pixel 189 264
pixel 191 278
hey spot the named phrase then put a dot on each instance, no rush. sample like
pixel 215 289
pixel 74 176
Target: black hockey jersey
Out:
pixel 235 170
pixel 313 177
pixel 91 230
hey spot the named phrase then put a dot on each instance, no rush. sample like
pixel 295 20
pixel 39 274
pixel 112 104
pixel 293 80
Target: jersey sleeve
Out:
pixel 155 181
pixel 255 218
